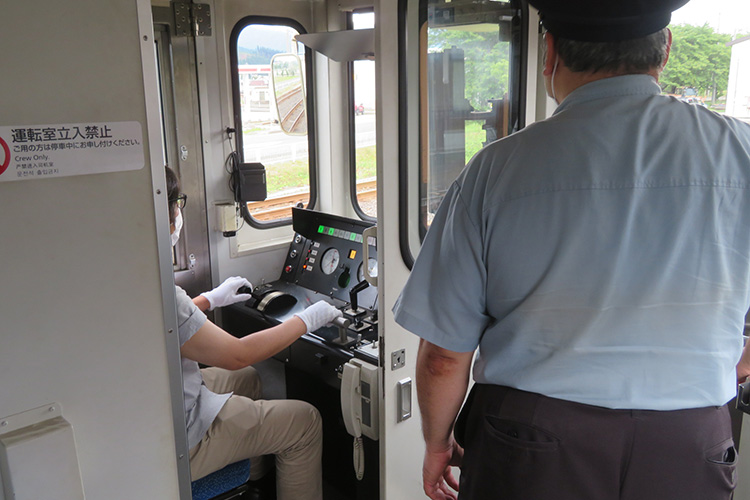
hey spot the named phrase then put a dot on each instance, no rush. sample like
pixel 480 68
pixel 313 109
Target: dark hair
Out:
pixel 636 56
pixel 173 191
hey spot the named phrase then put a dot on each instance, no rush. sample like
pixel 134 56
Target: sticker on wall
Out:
pixel 45 151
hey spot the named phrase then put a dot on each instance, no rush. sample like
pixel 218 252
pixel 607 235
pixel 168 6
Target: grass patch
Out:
pixel 475 136
pixel 296 174
pixel 366 162
pixel 287 175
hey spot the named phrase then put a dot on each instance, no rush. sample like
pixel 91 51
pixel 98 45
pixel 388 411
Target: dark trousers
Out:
pixel 525 446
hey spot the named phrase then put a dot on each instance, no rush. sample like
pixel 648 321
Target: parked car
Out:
pixel 693 100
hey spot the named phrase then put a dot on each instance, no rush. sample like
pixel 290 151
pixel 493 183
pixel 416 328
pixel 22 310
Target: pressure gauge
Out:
pixel 330 261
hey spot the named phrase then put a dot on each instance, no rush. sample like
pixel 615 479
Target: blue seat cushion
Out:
pixel 221 481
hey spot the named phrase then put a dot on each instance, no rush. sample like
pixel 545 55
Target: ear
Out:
pixel 551 55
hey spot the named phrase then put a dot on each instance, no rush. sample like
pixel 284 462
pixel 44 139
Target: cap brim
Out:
pixel 606 30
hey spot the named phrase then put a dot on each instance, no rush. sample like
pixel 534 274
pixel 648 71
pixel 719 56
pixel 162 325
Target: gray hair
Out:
pixel 636 56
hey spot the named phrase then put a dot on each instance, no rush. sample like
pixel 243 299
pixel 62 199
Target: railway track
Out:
pixel 276 208
pixel 291 107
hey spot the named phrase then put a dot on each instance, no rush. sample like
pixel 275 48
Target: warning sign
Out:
pixel 44 151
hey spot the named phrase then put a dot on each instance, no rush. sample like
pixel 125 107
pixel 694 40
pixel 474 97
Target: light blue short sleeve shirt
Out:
pixel 201 405
pixel 600 256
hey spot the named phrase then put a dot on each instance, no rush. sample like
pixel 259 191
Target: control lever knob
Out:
pixel 353 294
pixel 342 324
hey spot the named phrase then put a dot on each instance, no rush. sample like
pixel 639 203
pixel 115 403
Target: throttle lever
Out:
pixel 353 301
pixel 342 323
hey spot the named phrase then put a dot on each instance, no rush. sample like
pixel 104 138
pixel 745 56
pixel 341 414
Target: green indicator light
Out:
pixel 330 231
pixel 321 229
pixel 352 237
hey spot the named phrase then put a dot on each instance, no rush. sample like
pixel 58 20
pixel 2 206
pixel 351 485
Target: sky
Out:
pixel 273 37
pixel 725 16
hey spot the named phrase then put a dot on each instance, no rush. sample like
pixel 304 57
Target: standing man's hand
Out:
pixel 442 380
pixel 743 366
pixel 743 371
pixel 437 477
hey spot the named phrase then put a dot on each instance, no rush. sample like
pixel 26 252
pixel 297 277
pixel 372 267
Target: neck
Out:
pixel 567 81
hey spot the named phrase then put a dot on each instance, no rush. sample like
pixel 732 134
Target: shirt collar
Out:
pixel 609 87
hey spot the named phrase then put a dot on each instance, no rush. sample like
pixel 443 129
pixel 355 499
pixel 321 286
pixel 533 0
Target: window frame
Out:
pixel 237 110
pixel 352 129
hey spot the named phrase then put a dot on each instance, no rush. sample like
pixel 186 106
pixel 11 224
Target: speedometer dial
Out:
pixel 330 261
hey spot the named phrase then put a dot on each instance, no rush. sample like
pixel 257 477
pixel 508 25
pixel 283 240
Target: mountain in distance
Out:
pixel 258 55
pixel 256 44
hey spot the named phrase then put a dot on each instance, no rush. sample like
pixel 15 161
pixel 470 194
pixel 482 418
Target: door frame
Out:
pixel 183 150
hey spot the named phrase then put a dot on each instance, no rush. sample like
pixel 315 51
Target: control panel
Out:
pixel 337 367
pixel 327 256
pixel 330 258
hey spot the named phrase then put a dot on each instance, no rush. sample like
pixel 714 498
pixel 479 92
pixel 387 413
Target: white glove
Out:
pixel 226 293
pixel 318 315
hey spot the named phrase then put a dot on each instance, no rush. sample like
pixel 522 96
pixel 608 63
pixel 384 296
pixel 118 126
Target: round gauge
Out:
pixel 372 269
pixel 330 261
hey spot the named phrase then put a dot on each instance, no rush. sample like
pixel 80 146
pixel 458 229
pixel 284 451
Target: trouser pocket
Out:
pixel 721 460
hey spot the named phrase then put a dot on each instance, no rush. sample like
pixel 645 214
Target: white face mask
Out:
pixel 552 82
pixel 175 236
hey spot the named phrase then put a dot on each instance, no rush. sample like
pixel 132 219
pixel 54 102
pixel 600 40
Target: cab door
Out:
pixel 461 82
pixel 182 144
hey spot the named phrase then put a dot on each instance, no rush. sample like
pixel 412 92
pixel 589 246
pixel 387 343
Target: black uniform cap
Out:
pixel 605 20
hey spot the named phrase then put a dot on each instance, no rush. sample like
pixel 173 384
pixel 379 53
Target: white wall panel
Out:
pixel 81 308
pixel 401 444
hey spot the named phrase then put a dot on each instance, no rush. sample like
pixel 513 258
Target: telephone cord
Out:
pixel 359 458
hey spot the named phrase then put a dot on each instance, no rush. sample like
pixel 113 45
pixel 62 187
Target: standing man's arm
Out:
pixel 743 367
pixel 442 381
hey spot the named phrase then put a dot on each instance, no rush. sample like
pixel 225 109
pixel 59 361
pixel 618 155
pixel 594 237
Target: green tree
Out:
pixel 699 58
pixel 258 55
pixel 486 62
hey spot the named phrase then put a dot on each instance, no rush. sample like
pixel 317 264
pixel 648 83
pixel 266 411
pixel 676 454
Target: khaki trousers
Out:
pixel 247 427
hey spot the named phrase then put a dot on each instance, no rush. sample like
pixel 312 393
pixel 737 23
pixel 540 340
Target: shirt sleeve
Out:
pixel 189 318
pixel 444 299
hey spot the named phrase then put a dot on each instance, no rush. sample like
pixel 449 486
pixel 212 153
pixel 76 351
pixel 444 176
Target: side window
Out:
pixel 271 112
pixel 462 73
pixel 364 194
pixel 468 60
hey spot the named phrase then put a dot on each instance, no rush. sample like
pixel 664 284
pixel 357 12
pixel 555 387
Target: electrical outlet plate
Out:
pixel 398 359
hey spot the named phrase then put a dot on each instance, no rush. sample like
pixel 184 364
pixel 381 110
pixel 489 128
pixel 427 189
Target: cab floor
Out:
pixel 265 489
